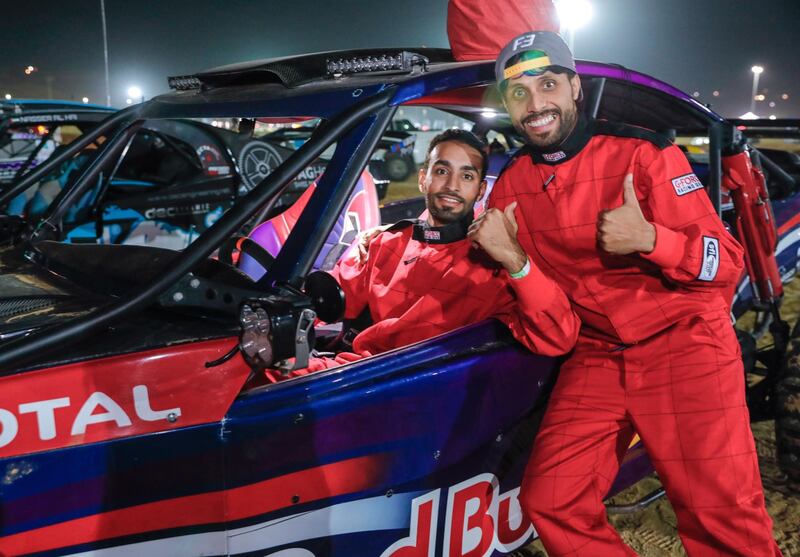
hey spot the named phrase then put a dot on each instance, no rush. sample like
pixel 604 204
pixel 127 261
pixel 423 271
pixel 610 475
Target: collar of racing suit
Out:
pixel 571 146
pixel 447 234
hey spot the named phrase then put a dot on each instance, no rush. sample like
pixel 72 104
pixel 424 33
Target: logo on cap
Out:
pixel 524 41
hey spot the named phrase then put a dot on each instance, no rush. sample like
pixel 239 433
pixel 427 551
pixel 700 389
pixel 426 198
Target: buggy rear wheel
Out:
pixel 787 408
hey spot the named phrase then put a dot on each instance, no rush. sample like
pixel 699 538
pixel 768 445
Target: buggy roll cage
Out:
pixel 47 113
pixel 373 109
pixel 355 111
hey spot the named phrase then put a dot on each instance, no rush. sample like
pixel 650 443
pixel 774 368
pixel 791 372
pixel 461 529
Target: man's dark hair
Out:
pixel 462 136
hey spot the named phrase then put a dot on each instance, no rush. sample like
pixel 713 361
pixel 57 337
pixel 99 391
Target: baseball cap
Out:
pixel 531 54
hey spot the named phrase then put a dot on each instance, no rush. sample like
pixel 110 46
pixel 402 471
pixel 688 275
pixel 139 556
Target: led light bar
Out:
pixel 404 61
pixel 183 82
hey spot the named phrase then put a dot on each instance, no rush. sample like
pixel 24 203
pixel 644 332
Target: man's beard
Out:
pixel 447 215
pixel 566 124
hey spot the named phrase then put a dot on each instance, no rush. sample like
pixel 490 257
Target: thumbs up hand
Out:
pixel 495 232
pixel 624 230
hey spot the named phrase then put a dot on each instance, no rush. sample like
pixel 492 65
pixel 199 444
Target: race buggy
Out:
pixel 32 130
pixel 135 418
pixel 173 179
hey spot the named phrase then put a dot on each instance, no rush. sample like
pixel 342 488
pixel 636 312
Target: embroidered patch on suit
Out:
pixel 710 266
pixel 686 183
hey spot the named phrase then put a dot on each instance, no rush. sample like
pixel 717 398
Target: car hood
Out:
pixel 32 296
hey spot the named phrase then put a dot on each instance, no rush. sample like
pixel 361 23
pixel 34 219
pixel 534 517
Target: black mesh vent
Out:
pixel 17 306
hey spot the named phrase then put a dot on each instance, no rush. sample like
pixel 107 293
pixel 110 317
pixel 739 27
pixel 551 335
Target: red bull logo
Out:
pixel 479 520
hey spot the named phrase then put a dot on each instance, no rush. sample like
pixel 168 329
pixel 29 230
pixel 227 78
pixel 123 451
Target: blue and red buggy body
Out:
pixel 132 424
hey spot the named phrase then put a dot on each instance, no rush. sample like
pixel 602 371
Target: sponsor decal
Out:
pixel 310 173
pixel 479 521
pixel 433 235
pixel 257 160
pixel 710 266
pixel 219 170
pixel 554 157
pixel 45 118
pixel 686 183
pixel 118 396
pixel 96 409
pixel 166 212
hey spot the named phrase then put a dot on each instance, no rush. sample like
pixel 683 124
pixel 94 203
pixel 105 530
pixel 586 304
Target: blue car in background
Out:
pixel 31 131
pixel 135 416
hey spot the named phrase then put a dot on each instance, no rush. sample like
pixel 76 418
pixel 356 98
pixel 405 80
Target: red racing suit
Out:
pixel 415 290
pixel 657 354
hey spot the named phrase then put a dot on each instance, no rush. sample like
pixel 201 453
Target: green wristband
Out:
pixel 522 273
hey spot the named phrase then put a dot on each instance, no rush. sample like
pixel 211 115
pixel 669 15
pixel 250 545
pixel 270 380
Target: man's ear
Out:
pixel 575 83
pixel 423 173
pixel 482 189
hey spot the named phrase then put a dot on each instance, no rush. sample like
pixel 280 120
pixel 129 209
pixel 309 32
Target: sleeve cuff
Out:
pixel 534 291
pixel 669 248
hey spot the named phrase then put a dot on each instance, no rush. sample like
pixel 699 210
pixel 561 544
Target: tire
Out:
pixel 397 168
pixel 787 418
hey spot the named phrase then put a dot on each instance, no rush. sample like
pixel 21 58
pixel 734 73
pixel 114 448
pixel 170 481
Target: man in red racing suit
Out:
pixel 424 278
pixel 616 217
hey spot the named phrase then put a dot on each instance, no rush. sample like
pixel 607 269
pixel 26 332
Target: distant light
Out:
pixel 741 128
pixel 772 104
pixel 773 117
pixel 41 130
pixel 715 93
pixel 574 14
pixel 128 101
pixel 749 116
pixel 30 69
pixel 8 96
pixel 760 97
pixel 85 100
pixel 757 69
pixel 489 114
pixel 696 94
pixel 135 92
pixel 785 96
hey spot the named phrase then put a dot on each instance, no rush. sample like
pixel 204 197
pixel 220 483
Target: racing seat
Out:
pixel 497 162
pixel 361 212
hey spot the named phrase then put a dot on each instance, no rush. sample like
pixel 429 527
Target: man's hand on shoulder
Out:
pixel 624 230
pixel 495 232
pixel 363 239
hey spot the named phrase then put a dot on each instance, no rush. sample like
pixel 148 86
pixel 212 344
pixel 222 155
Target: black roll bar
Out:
pixel 326 217
pixel 21 350
pixel 51 218
pixel 716 134
pixel 21 170
pixel 73 149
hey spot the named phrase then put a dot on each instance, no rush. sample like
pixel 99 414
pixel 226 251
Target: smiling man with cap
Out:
pixel 616 217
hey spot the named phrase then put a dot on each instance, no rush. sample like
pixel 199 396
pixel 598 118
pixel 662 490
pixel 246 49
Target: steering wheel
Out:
pixel 245 245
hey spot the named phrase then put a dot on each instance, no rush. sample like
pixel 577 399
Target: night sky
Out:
pixel 697 45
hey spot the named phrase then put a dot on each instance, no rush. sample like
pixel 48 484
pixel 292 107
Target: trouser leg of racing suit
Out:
pixel 683 392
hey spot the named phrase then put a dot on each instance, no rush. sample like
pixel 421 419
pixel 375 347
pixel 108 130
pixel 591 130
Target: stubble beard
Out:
pixel 446 215
pixel 566 119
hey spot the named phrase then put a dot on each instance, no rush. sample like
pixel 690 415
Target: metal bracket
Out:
pixel 302 347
